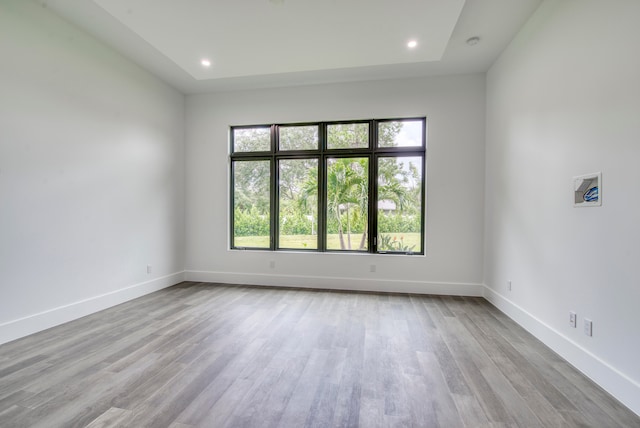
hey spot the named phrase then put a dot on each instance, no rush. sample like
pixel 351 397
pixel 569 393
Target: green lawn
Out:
pixel 310 241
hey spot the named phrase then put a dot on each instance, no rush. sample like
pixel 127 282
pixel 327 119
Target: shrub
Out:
pixel 250 222
pixel 398 223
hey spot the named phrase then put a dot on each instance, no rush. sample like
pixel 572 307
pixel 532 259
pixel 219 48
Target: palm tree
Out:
pixel 347 187
pixel 398 181
pixel 347 194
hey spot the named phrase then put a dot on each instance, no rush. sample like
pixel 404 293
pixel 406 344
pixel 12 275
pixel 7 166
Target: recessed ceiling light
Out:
pixel 472 41
pixel 412 44
pixel 205 63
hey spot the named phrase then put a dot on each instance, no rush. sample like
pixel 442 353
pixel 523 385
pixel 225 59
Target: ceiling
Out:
pixel 270 43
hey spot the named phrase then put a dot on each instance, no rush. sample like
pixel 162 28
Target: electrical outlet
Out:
pixel 148 268
pixel 372 268
pixel 588 327
pixel 573 319
pixel 509 285
pixel 272 264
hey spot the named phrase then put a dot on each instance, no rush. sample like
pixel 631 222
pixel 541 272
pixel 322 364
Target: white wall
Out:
pixel 454 107
pixel 564 100
pixel 91 174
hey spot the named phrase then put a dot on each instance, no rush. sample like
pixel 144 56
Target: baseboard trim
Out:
pixel 616 383
pixel 22 327
pixel 338 283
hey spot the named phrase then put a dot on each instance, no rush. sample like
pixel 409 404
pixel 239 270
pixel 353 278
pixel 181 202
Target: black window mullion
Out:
pixel 322 204
pixel 274 139
pixel 274 192
pixel 423 202
pixel 373 205
pixel 275 203
pixel 322 189
pixel 373 188
pixel 371 201
pixel 373 153
pixel 233 201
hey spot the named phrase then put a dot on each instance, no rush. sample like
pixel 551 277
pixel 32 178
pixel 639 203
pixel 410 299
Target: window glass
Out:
pixel 347 203
pixel 400 181
pixel 299 137
pixel 298 203
pixel 252 139
pixel 400 133
pixel 347 135
pixel 329 186
pixel 251 204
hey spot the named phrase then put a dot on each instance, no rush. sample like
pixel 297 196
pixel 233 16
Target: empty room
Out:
pixel 296 213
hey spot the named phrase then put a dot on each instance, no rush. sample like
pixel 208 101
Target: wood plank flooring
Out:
pixel 212 355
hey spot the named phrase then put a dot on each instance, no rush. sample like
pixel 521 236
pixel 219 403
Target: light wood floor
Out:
pixel 230 356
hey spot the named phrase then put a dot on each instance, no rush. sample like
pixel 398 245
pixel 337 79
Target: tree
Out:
pixel 251 185
pixel 298 137
pixel 252 178
pixel 395 183
pixel 399 179
pixel 348 135
pixel 348 181
pixel 347 189
pixel 297 200
pixel 256 139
